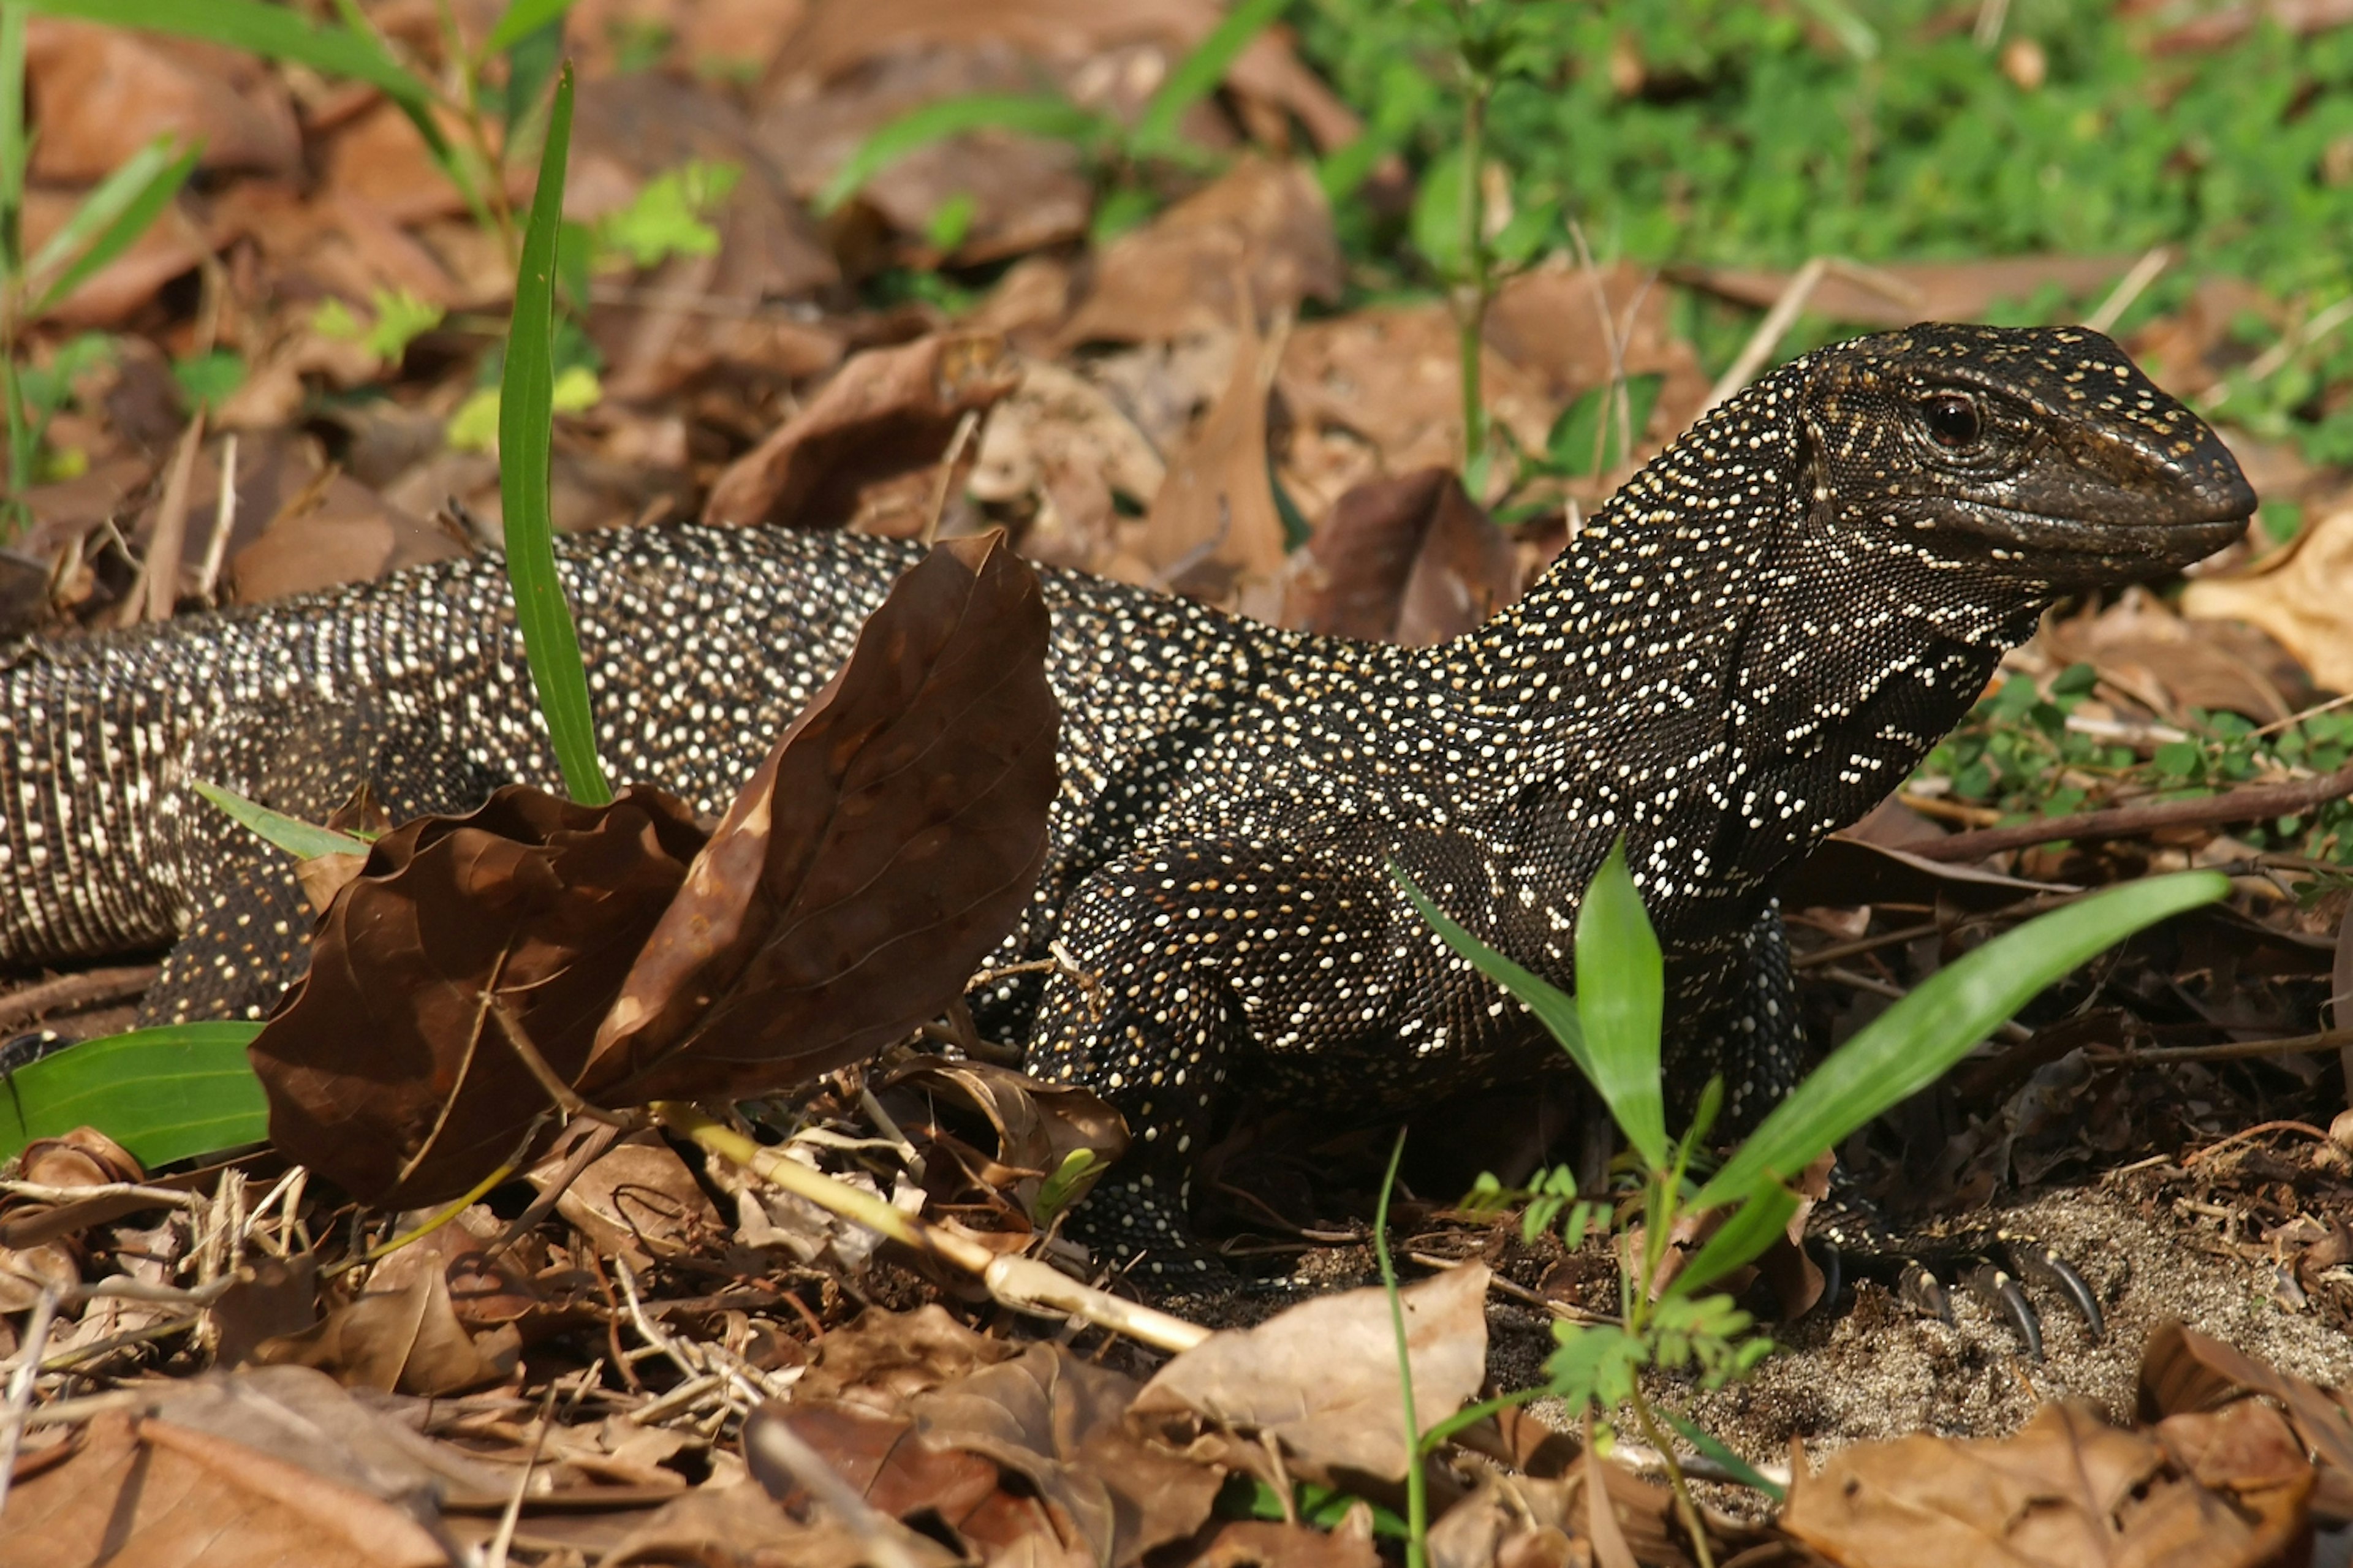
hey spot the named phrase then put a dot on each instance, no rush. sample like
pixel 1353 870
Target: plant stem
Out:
pixel 1684 1505
pixel 1417 1489
pixel 12 257
pixel 1474 289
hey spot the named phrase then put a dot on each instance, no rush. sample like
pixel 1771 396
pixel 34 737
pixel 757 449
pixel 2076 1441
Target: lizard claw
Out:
pixel 2045 1268
pixel 1999 1289
pixel 1919 1288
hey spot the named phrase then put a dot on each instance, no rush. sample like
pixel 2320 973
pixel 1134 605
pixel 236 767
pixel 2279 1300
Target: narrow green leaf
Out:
pixel 1699 1438
pixel 1739 1239
pixel 1032 114
pixel 111 218
pixel 302 839
pixel 1435 225
pixel 1911 1045
pixel 163 1094
pixel 526 423
pixel 13 150
pixel 1197 74
pixel 1554 1008
pixel 1620 998
pixel 523 18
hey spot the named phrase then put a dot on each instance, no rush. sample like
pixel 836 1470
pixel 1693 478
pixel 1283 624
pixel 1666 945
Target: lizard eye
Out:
pixel 1952 419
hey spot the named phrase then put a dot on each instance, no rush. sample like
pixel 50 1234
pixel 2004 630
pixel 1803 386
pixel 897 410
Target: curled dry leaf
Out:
pixel 887 844
pixel 886 414
pixel 1259 238
pixel 2298 597
pixel 2219 1491
pixel 1322 1377
pixel 536 899
pixel 135 1491
pixel 1038 1125
pixel 2183 1371
pixel 1213 531
pixel 1411 560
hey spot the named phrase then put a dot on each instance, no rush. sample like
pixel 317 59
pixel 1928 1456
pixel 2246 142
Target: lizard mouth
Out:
pixel 2106 548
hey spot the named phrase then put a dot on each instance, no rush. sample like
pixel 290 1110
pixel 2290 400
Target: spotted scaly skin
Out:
pixel 1747 648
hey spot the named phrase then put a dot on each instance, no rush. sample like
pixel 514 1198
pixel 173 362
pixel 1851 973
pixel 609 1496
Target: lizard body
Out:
pixel 1747 648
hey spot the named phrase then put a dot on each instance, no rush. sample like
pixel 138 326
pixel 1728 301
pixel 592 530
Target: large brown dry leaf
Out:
pixel 896 1471
pixel 741 1526
pixel 401 1334
pixel 885 1358
pixel 1259 238
pixel 544 900
pixel 1931 290
pixel 101 94
pixel 1061 442
pixel 1019 192
pixel 2144 647
pixel 1380 392
pixel 1060 1423
pixel 2183 1371
pixel 2067 1490
pixel 1322 1377
pixel 147 1491
pixel 1557 323
pixel 2298 597
pixel 883 849
pixel 886 414
pixel 1213 531
pixel 1411 560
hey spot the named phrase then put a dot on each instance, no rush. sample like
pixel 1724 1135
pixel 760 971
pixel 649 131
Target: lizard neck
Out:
pixel 1720 668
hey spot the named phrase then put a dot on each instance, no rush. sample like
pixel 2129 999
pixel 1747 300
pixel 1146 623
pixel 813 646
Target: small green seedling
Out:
pixel 1610 1029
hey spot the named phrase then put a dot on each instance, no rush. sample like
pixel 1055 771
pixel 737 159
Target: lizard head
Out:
pixel 2042 454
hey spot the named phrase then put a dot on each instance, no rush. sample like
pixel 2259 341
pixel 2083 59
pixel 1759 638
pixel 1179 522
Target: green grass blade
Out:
pixel 13 150
pixel 1197 74
pixel 111 218
pixel 526 425
pixel 1033 114
pixel 1699 1438
pixel 1740 1238
pixel 523 18
pixel 1554 1008
pixel 276 31
pixel 163 1094
pixel 306 839
pixel 1911 1045
pixel 1621 999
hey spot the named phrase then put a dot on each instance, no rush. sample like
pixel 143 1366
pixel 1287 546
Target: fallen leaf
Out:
pixel 1213 531
pixel 146 1490
pixel 1059 438
pixel 101 94
pixel 400 1334
pixel 167 248
pixel 1380 391
pixel 2067 1490
pixel 1554 323
pixel 636 1200
pixel 1272 1543
pixel 544 900
pixel 1038 1125
pixel 1411 560
pixel 2142 645
pixel 885 1357
pixel 885 414
pixel 741 1526
pixel 1322 1377
pixel 2298 596
pixel 883 849
pixel 1259 237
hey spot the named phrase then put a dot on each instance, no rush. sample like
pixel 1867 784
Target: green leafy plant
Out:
pixel 671 215
pixel 1122 156
pixel 1610 1029
pixel 395 319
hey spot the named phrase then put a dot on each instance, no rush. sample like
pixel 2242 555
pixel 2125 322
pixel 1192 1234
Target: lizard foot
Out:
pixel 1995 1265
